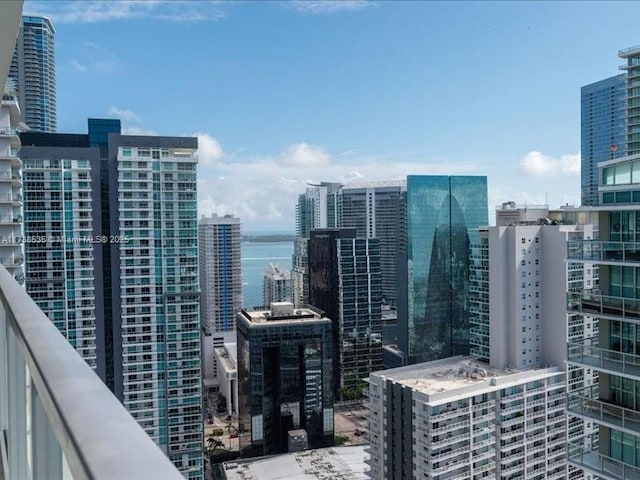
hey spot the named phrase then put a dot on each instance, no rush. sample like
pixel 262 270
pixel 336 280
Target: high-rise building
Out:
pixel 603 130
pixel 345 282
pixel 60 275
pixel 11 245
pixel 33 68
pixel 276 284
pixel 459 418
pixel 526 275
pixel 378 210
pixel 114 264
pixel 632 91
pixel 300 272
pixel 519 276
pixel 443 215
pixel 285 377
pixel 220 272
pixel 613 350
pixel 502 412
pixel 318 207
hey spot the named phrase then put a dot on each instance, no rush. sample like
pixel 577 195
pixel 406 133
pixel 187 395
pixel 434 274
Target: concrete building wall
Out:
pixel 440 420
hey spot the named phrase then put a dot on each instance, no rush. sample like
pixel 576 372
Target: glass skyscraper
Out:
pixel 443 215
pixel 220 272
pixel 33 68
pixel 318 207
pixel 345 282
pixel 602 130
pixel 378 210
pixel 613 351
pixel 112 259
pixel 284 377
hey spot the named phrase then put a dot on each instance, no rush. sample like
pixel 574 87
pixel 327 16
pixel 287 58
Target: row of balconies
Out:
pixel 450 428
pixel 449 414
pixel 587 353
pixel 602 465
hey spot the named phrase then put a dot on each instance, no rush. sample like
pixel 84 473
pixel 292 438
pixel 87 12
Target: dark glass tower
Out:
pixel 345 281
pixel 443 214
pixel 284 377
pixel 602 130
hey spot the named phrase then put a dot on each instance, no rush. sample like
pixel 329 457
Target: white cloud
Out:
pixel 353 176
pixel 209 150
pixel 92 59
pixel 263 191
pixel 78 66
pixel 320 7
pixel 305 155
pixel 107 11
pixel 124 114
pixel 538 164
pixel 132 130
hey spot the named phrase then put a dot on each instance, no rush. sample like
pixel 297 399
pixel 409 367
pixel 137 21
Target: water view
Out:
pixel 256 257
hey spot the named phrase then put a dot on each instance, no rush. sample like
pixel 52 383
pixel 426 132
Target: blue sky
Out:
pixel 283 93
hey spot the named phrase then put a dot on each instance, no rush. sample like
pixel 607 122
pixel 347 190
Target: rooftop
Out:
pixel 629 52
pixel 441 378
pixel 214 219
pixel 377 184
pixel 283 312
pixel 335 463
pixel 226 356
pixel 278 272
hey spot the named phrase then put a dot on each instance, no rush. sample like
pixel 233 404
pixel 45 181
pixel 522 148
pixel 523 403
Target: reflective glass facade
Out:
pixel 613 452
pixel 60 273
pixel 220 272
pixel 443 214
pixel 602 130
pixel 114 263
pixel 285 379
pixel 345 281
pixel 33 68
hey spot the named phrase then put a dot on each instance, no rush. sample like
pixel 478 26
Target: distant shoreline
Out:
pixel 269 238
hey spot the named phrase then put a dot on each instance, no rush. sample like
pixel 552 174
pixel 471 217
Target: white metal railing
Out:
pixel 588 352
pixel 57 418
pixel 605 467
pixel 586 403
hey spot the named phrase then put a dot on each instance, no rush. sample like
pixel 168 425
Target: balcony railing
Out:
pixel 588 353
pixel 57 418
pixel 603 251
pixel 602 465
pixel 585 403
pixel 593 303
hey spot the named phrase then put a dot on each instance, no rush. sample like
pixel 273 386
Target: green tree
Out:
pixel 213 444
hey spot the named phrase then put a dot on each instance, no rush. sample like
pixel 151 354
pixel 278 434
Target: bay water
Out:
pixel 256 257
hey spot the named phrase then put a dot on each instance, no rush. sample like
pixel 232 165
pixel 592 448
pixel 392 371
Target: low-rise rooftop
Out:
pixel 335 463
pixel 282 312
pixel 461 375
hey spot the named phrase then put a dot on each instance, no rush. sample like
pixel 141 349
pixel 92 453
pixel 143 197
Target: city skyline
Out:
pixel 337 94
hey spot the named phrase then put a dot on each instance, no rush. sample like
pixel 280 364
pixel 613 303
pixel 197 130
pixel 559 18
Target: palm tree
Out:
pixel 213 444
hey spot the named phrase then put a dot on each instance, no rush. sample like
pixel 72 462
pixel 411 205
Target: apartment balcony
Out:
pixel 585 404
pixel 57 419
pixel 459 412
pixel 592 302
pixel 599 251
pixel 587 353
pixel 601 465
pixel 12 133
